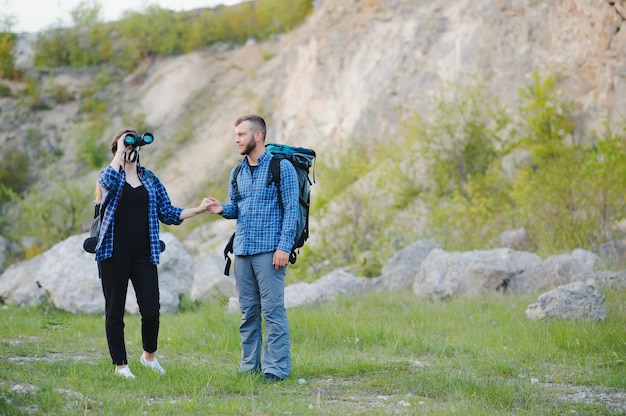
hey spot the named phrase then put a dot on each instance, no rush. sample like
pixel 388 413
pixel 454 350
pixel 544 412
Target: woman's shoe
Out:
pixel 152 365
pixel 124 372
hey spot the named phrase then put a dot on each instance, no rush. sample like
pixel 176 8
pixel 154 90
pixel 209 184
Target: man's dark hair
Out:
pixel 257 122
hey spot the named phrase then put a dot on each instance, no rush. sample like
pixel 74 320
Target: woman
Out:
pixel 133 202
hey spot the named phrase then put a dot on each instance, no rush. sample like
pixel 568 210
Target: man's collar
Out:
pixel 262 159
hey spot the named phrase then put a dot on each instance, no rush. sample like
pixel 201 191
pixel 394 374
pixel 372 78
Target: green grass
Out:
pixel 383 354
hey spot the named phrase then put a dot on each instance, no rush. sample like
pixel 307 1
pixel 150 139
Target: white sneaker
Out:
pixel 124 372
pixel 153 365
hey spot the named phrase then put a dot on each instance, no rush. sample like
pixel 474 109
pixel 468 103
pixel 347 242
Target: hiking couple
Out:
pixel 129 248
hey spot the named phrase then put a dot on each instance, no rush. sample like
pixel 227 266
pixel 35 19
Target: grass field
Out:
pixel 382 354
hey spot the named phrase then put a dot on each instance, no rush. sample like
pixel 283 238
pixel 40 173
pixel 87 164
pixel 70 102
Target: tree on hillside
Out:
pixel 277 16
pixel 157 31
pixel 85 43
pixel 571 192
pixel 89 44
pixel 199 31
pixel 8 41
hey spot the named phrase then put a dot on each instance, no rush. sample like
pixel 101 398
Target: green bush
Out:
pixel 8 42
pixel 445 179
pixel 62 94
pixel 460 146
pixel 5 91
pixel 7 196
pixel 92 102
pixel 32 93
pixel 51 49
pixel 92 149
pixel 570 193
pixel 13 170
pixel 49 213
pixel 87 42
pixel 567 195
pixel 356 204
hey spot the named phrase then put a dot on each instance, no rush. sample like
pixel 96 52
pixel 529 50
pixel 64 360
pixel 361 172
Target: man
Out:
pixel 264 237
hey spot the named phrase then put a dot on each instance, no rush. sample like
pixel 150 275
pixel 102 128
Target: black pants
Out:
pixel 115 272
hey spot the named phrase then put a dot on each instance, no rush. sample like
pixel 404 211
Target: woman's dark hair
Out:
pixel 98 192
pixel 117 137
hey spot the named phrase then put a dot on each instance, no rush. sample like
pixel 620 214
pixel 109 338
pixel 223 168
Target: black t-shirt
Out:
pixel 131 218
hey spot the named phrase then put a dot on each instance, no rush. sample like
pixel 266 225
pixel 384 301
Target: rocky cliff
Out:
pixel 358 68
pixel 355 68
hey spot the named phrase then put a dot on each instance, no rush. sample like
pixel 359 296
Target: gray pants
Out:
pixel 262 296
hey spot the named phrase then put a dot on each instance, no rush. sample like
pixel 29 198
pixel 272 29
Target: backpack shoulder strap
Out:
pixel 274 173
pixel 150 175
pixel 227 250
pixel 229 246
pixel 233 182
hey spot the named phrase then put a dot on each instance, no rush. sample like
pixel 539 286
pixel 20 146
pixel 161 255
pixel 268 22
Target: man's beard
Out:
pixel 249 147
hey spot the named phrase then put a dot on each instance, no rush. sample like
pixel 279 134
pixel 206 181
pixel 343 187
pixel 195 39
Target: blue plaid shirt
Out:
pixel 262 226
pixel 159 209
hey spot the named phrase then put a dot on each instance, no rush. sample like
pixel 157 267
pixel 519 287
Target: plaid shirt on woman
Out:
pixel 159 209
pixel 262 227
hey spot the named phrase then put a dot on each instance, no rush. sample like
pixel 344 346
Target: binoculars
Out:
pixel 134 140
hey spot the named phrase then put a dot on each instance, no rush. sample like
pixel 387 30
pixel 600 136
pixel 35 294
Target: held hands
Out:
pixel 214 206
pixel 281 258
pixel 204 205
pixel 192 212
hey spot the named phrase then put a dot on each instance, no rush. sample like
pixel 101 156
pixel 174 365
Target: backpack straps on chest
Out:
pixel 233 182
pixel 229 246
pixel 274 176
